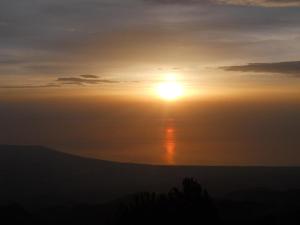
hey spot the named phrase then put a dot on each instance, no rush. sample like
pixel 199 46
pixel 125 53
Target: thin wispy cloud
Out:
pixel 89 76
pixel 288 68
pixel 261 3
pixel 83 81
pixel 264 3
pixel 30 86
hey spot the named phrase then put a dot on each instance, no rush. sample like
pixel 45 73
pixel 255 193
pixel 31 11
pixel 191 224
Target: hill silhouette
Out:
pixel 44 186
pixel 35 175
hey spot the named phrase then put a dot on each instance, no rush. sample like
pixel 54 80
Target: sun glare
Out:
pixel 170 89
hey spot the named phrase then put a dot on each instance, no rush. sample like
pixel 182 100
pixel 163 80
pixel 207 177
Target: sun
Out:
pixel 170 89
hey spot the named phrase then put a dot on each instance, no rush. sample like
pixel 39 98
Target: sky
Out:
pixel 75 73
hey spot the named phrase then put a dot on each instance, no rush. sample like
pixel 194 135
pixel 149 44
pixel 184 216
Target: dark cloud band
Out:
pixel 30 86
pixel 288 68
pixel 89 76
pixel 263 3
pixel 82 81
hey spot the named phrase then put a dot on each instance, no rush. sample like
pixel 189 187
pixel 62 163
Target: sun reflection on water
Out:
pixel 169 142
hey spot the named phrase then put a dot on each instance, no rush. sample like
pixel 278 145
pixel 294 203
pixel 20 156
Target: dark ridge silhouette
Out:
pixel 16 214
pixel 46 187
pixel 261 207
pixel 189 205
pixel 35 176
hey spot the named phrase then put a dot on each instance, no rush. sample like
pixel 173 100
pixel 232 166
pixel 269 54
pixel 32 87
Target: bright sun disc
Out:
pixel 170 90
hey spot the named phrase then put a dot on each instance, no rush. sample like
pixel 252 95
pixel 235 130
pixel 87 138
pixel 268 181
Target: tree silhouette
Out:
pixel 192 205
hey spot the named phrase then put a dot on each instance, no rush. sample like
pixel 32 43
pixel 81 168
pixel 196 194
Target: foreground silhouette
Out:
pixel 191 205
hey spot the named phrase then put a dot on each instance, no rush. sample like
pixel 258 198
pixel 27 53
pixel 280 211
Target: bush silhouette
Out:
pixel 191 205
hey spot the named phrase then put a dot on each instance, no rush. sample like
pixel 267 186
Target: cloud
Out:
pixel 182 2
pixel 288 68
pixel 89 76
pixel 263 3
pixel 29 86
pixel 59 82
pixel 82 81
